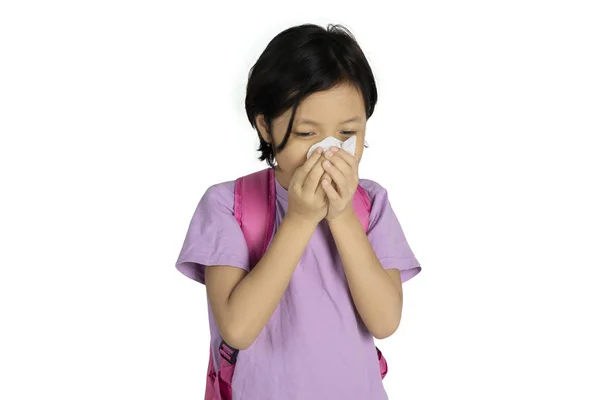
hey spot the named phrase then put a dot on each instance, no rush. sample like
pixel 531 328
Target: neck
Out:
pixel 282 178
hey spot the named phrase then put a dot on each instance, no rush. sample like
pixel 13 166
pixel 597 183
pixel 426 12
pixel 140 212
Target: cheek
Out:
pixel 292 156
pixel 359 153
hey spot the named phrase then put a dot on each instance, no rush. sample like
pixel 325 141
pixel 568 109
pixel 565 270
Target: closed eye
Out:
pixel 307 134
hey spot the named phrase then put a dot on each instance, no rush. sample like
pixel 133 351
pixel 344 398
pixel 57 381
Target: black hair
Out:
pixel 298 62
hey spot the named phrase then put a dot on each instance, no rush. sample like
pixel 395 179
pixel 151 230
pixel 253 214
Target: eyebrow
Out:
pixel 309 122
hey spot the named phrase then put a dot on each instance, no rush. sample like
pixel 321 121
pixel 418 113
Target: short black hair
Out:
pixel 298 62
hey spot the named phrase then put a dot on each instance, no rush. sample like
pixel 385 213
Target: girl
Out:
pixel 304 317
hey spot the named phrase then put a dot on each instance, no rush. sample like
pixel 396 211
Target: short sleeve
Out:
pixel 386 235
pixel 214 236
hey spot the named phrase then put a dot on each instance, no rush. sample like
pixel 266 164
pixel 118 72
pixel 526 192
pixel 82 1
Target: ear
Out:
pixel 263 128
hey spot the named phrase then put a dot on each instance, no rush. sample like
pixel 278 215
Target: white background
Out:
pixel 117 115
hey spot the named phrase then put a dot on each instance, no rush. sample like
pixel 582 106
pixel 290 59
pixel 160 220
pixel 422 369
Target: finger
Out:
pixel 308 165
pixel 328 177
pixel 314 177
pixel 332 195
pixel 338 177
pixel 351 160
pixel 343 167
pixel 320 192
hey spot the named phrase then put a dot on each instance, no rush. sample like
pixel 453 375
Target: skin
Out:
pixel 321 187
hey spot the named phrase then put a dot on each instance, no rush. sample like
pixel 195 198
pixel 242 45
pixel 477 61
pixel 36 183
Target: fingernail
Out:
pixel 329 153
pixel 327 164
pixel 334 149
pixel 319 150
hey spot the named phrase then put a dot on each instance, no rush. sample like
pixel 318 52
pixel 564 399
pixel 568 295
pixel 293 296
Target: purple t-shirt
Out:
pixel 315 346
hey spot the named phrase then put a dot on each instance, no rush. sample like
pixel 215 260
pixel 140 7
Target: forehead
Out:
pixel 334 105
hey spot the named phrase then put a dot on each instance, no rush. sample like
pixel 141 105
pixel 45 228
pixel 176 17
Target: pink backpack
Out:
pixel 256 215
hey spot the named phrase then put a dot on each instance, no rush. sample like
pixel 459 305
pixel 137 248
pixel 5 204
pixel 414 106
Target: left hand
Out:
pixel 342 167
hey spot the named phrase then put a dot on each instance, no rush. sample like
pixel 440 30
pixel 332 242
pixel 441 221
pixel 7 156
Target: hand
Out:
pixel 306 197
pixel 342 167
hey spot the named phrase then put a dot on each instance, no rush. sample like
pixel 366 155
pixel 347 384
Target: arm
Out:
pixel 244 302
pixel 377 293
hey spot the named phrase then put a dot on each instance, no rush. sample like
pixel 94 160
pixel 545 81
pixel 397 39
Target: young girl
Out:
pixel 304 317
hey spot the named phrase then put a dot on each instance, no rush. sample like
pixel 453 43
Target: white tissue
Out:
pixel 349 145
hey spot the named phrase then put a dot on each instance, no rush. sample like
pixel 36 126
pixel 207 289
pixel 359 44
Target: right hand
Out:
pixel 306 197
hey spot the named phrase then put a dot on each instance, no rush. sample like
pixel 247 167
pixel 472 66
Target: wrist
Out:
pixel 343 219
pixel 300 222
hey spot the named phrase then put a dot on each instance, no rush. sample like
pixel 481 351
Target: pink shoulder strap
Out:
pixel 254 209
pixel 362 206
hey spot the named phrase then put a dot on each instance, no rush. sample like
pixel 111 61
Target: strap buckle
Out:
pixel 228 353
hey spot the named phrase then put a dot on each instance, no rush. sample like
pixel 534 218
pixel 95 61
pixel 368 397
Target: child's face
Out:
pixel 328 109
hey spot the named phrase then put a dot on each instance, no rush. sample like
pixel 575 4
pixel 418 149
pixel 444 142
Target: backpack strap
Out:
pixel 254 209
pixel 362 206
